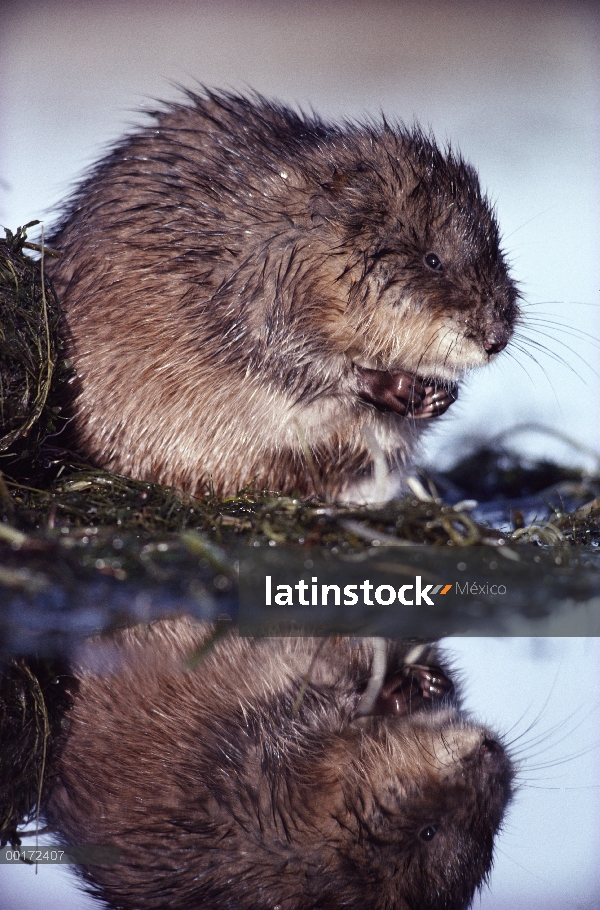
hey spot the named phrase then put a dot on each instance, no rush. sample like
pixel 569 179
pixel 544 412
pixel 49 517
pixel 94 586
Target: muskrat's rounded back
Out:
pixel 242 283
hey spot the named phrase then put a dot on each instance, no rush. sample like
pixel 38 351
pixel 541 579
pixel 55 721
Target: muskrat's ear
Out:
pixel 325 201
pixel 337 183
pixel 341 197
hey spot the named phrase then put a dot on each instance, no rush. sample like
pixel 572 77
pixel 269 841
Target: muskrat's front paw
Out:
pixel 400 391
pixel 437 399
pixel 405 692
pixel 432 680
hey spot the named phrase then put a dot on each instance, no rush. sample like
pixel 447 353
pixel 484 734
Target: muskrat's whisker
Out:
pixel 568 329
pixel 512 356
pixel 563 344
pixel 531 356
pixel 562 303
pixel 555 356
pixel 547 737
pixel 533 218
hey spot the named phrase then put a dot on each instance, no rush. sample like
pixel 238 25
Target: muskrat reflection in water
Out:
pixel 267 773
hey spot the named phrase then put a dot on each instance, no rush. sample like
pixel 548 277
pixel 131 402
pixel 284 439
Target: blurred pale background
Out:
pixel 516 87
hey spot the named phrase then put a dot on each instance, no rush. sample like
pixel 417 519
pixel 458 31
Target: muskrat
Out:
pixel 264 773
pixel 246 288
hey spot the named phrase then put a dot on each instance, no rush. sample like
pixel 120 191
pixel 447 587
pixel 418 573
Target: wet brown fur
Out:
pixel 225 789
pixel 224 269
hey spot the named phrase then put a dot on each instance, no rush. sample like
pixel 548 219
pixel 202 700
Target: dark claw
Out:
pixel 405 692
pixel 437 400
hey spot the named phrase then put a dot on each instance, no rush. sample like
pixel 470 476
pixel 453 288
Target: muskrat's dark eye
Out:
pixel 433 262
pixel 428 833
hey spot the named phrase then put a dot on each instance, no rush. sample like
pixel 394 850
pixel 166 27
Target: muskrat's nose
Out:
pixel 493 755
pixel 495 341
